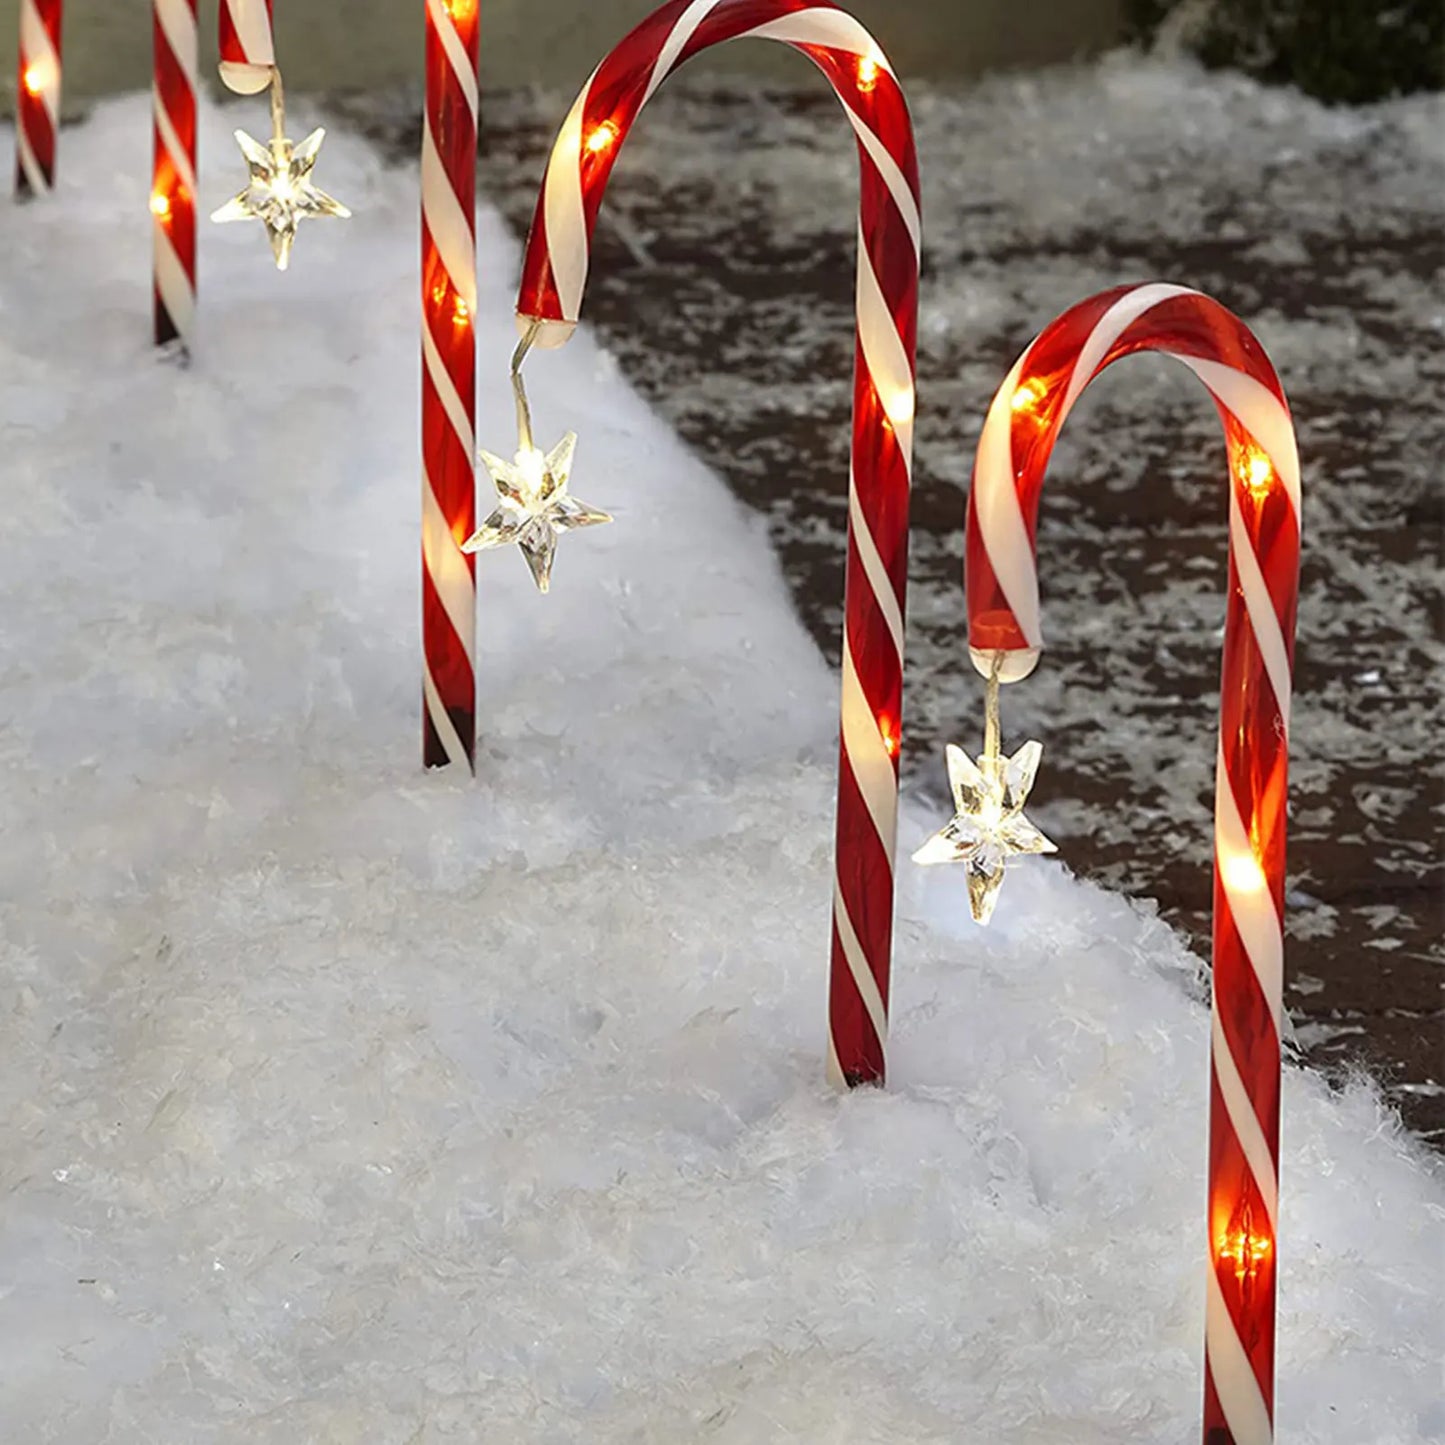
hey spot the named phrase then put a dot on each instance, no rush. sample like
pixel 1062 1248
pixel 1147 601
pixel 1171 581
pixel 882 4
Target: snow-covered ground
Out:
pixel 342 1103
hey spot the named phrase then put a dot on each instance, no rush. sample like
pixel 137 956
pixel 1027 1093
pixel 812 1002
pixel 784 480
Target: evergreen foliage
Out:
pixel 1338 50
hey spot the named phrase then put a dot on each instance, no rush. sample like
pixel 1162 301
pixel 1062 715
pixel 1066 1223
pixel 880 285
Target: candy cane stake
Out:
pixel 449 383
pixel 1001 574
pixel 37 97
pixel 173 184
pixel 554 276
pixel 248 50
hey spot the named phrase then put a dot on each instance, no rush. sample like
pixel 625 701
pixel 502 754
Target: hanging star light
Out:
pixel 988 826
pixel 280 193
pixel 534 506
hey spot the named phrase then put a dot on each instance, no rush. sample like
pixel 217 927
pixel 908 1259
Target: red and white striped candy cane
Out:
pixel 37 97
pixel 554 275
pixel 1001 575
pixel 449 382
pixel 173 184
pixel 248 51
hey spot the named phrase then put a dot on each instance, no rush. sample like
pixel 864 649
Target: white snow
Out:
pixel 344 1103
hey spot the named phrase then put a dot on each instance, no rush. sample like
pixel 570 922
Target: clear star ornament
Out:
pixel 988 826
pixel 534 507
pixel 280 192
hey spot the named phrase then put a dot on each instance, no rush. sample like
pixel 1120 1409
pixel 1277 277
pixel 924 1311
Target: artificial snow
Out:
pixel 344 1103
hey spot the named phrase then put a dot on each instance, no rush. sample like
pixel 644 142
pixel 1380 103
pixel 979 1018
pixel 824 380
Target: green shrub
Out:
pixel 1338 50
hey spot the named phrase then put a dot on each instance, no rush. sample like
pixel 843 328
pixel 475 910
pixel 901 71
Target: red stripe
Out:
pixel 881 479
pixel 1249 1295
pixel 451 328
pixel 450 668
pixel 1247 1023
pixel 609 107
pixel 865 881
pixel 33 121
pixel 174 87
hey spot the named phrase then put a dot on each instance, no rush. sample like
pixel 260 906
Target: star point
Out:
pixel 534 506
pixel 280 193
pixel 988 826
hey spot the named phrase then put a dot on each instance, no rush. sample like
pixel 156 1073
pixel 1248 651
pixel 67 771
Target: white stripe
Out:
pixel 1260 412
pixel 1243 1120
pixel 456 52
pixel 1250 902
pixel 832 29
pixel 449 224
pixel 858 966
pixel 441 720
pixel 175 151
pixel 1108 329
pixel 893 178
pixel 1239 1395
pixel 173 284
pixel 1000 517
pixel 834 1068
pixel 876 572
pixel 1259 608
pixel 447 392
pixel 562 210
pixel 884 354
pixel 38 57
pixel 179 27
pixel 29 163
pixel 677 39
pixel 446 565
pixel 253 30
pixel 869 757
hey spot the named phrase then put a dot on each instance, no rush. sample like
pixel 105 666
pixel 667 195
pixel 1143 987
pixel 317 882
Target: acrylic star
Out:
pixel 988 825
pixel 279 193
pixel 534 507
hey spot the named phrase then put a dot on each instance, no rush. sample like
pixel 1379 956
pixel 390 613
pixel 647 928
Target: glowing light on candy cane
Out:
pixel 173 183
pixel 37 97
pixel 1005 636
pixel 554 276
pixel 449 383
pixel 248 50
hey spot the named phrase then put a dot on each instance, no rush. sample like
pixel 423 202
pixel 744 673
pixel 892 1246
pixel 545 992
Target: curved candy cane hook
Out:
pixel 554 278
pixel 1005 632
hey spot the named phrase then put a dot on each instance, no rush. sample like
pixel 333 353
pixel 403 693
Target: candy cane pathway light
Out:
pixel 1005 640
pixel 37 97
pixel 449 383
pixel 554 276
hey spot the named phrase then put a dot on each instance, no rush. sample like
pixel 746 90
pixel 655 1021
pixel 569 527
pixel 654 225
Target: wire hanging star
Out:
pixel 280 193
pixel 988 825
pixel 534 507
